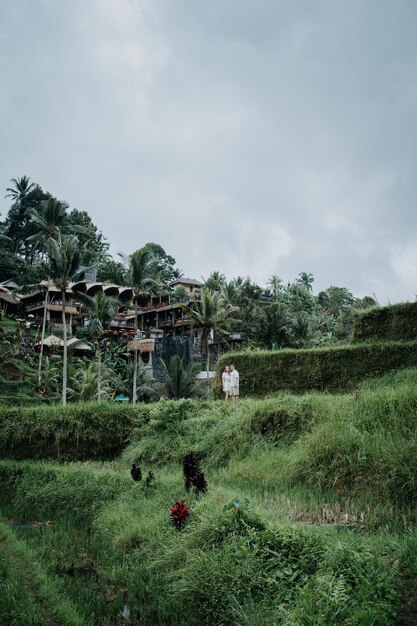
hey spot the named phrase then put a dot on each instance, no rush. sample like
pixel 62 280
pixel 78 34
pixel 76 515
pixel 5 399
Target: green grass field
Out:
pixel 309 517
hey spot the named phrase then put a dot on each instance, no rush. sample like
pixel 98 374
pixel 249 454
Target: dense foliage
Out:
pixel 325 369
pixel 397 322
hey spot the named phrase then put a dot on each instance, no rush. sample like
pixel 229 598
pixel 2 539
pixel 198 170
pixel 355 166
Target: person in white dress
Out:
pixel 226 381
pixel 234 383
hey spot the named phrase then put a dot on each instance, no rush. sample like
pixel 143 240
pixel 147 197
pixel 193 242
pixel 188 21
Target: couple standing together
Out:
pixel 230 380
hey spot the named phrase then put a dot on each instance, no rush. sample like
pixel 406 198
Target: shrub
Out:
pixel 397 322
pixel 333 369
pixel 82 431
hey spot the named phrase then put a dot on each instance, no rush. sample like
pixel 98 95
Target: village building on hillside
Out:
pixel 164 322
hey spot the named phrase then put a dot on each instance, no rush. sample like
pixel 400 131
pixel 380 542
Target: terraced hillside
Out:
pixel 309 517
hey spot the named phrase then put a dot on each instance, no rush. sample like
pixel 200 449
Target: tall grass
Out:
pixel 307 519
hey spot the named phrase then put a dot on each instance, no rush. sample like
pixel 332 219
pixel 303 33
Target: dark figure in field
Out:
pixel 150 479
pixel 135 472
pixel 189 468
pixel 199 483
pixel 193 474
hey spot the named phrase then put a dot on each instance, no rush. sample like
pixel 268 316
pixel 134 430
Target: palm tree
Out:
pixel 179 380
pixel 49 221
pixel 230 292
pixel 101 309
pixel 51 218
pixel 208 314
pixel 275 326
pixel 64 260
pixel 142 278
pixel 306 280
pixel 84 383
pixel 20 190
pixel 19 195
pixel 275 285
pixel 215 281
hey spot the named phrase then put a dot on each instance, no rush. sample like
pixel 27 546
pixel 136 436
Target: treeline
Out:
pixel 271 316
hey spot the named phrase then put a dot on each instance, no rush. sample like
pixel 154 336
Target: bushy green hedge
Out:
pixel 397 322
pixel 331 369
pixel 83 431
pixel 77 432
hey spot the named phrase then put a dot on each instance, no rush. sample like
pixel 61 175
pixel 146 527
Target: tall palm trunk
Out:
pixel 208 362
pixel 45 308
pixel 65 361
pixel 98 370
pixel 135 355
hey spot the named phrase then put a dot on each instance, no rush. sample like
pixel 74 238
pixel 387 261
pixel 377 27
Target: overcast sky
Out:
pixel 252 137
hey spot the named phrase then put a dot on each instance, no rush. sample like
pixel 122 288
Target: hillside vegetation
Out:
pixel 309 517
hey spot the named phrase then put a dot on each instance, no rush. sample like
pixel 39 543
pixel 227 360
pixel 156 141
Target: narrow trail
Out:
pixel 409 616
pixel 30 590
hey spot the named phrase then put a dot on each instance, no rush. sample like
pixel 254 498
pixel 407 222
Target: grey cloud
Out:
pixel 251 137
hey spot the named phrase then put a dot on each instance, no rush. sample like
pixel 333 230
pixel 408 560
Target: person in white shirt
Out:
pixel 234 383
pixel 226 381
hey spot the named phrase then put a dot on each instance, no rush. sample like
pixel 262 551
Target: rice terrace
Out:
pixel 295 505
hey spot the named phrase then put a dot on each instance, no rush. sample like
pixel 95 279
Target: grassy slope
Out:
pixel 321 529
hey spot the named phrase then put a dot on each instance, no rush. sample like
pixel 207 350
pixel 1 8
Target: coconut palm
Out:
pixel 142 277
pixel 306 280
pixel 18 227
pixel 276 323
pixel 215 281
pixel 64 260
pixel 83 383
pixel 50 219
pixel 179 379
pixel 231 292
pixel 275 284
pixel 208 314
pixel 101 309
pixel 20 190
pixel 145 391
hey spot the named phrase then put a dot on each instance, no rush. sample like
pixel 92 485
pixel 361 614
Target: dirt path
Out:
pixel 409 616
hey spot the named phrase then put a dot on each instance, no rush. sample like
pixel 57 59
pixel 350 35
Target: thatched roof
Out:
pixel 142 345
pixel 53 342
pixel 7 296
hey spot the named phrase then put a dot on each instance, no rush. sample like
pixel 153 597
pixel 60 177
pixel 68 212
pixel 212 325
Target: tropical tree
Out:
pixel 231 292
pixel 208 314
pixel 142 277
pixel 306 280
pixel 180 294
pixel 145 391
pixel 83 382
pixel 101 309
pixel 48 384
pixel 165 264
pixel 93 244
pixel 275 284
pixel 275 326
pixel 215 281
pixel 64 261
pixel 18 223
pixel 302 330
pixel 50 218
pixel 21 188
pixel 111 271
pixel 336 299
pixel 179 379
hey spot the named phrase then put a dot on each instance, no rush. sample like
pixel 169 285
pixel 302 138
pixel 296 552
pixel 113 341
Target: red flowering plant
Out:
pixel 179 514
